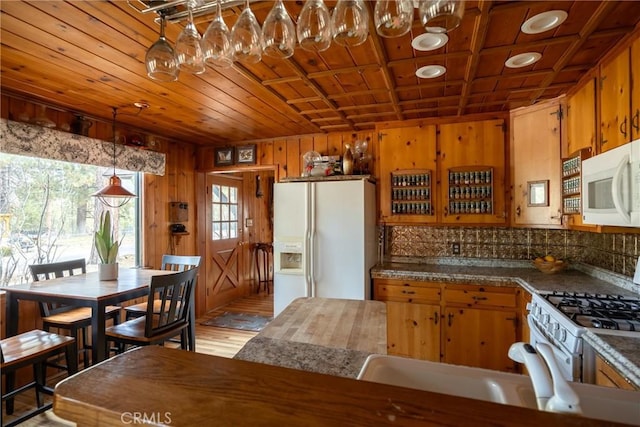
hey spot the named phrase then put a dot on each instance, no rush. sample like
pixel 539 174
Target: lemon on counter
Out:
pixel 549 258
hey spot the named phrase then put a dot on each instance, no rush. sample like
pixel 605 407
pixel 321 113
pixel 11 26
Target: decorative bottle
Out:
pixel 347 161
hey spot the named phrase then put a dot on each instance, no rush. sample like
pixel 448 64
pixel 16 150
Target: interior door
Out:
pixel 224 240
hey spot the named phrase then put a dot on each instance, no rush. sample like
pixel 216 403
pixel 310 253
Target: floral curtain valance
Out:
pixel 36 141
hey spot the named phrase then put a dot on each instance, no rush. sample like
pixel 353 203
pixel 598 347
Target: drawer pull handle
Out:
pixel 409 292
pixel 480 298
pixel 435 318
pixel 450 316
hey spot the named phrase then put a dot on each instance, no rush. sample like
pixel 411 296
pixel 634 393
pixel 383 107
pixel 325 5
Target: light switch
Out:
pixel 248 222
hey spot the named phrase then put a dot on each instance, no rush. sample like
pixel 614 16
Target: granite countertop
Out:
pixel 622 352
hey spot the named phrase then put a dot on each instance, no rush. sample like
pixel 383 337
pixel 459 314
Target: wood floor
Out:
pixel 221 342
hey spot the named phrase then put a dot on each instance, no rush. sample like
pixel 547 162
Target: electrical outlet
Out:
pixel 455 248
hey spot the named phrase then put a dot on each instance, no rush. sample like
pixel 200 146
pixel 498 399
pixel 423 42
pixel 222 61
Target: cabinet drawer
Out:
pixel 406 291
pixel 505 297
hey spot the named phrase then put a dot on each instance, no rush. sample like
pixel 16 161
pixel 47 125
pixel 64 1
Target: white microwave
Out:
pixel 611 187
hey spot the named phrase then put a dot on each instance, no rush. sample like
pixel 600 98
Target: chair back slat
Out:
pixel 180 262
pixel 172 294
pixel 54 270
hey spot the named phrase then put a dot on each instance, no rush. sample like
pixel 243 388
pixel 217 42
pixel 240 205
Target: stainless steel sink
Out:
pixel 494 386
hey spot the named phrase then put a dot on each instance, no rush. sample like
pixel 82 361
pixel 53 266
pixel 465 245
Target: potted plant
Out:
pixel 107 248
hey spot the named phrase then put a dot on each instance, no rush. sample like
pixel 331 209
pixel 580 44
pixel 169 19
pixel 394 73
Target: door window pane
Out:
pixel 224 212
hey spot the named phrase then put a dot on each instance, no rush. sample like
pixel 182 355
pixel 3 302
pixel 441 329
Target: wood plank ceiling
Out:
pixel 87 56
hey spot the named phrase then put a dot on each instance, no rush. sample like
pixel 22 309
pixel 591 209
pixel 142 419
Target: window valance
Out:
pixel 36 141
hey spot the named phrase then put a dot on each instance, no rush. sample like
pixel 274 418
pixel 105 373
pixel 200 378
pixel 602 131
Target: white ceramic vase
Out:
pixel 108 271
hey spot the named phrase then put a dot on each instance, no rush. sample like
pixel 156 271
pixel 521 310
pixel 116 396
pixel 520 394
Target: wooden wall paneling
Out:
pixel 202 237
pixel 321 144
pixel 265 153
pixel 335 145
pixel 280 158
pixel 306 144
pixel 293 157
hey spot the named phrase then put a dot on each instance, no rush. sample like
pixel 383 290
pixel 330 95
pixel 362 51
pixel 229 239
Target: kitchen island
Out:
pixel 323 335
pixel 165 386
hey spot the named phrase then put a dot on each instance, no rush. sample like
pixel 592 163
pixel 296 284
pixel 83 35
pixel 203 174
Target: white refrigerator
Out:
pixel 325 239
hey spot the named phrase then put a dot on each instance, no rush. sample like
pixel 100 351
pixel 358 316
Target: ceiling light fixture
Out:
pixel 429 41
pixel 114 195
pixel 544 21
pixel 430 71
pixel 522 60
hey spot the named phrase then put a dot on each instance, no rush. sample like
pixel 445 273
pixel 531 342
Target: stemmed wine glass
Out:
pixel 441 16
pixel 314 26
pixel 216 45
pixel 246 37
pixel 160 59
pixel 350 22
pixel 278 33
pixel 393 18
pixel 188 49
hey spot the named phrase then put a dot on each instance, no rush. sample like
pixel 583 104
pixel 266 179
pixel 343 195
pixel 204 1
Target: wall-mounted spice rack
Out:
pixel 572 181
pixel 471 190
pixel 411 192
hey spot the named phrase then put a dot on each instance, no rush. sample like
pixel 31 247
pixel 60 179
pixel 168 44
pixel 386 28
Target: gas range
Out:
pixel 602 311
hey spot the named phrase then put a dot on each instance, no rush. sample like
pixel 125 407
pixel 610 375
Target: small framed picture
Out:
pixel 223 156
pixel 538 193
pixel 246 155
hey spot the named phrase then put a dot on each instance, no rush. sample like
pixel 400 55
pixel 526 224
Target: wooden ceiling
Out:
pixel 87 56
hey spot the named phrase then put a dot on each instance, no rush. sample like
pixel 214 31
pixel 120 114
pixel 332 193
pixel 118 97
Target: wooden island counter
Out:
pixel 181 388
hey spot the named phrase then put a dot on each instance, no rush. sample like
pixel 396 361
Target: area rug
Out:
pixel 242 321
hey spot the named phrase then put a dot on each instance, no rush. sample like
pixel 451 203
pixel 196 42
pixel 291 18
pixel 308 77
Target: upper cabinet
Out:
pixel 535 165
pixel 619 100
pixel 472 172
pixel 581 120
pixel 407 167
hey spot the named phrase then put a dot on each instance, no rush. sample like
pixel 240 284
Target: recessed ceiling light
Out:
pixel 523 60
pixel 544 21
pixel 143 105
pixel 430 71
pixel 429 41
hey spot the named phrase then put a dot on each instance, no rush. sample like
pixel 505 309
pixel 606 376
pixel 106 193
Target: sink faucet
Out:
pixel 553 393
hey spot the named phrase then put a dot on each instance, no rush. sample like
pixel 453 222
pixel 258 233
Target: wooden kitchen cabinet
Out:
pixel 407 152
pixel 581 120
pixel 473 153
pixel 619 103
pixel 535 162
pixel 413 317
pixel 608 376
pixel 479 325
pixel 454 323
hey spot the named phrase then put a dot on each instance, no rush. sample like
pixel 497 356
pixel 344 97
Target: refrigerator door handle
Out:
pixel 312 241
pixel 307 240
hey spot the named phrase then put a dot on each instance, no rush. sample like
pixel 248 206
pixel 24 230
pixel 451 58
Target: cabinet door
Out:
pixel 536 161
pixel 581 120
pixel 473 144
pixel 479 338
pixel 635 90
pixel 400 149
pixel 615 102
pixel 413 330
pixel 608 376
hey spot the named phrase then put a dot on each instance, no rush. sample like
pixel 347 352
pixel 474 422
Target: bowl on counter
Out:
pixel 550 267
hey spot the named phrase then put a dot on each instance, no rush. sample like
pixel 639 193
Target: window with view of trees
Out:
pixel 48 214
pixel 224 212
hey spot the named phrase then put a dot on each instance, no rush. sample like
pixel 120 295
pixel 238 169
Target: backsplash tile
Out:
pixel 617 252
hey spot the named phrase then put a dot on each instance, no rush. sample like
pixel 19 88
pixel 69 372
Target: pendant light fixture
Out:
pixel 114 195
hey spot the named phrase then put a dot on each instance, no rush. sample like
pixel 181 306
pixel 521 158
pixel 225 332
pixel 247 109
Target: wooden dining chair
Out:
pixel 76 320
pixel 33 348
pixel 169 262
pixel 167 313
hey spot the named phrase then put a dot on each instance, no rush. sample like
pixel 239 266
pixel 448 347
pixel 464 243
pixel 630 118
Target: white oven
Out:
pixel 611 187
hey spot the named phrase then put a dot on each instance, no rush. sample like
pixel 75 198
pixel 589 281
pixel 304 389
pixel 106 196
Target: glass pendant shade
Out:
pixel 441 16
pixel 350 21
pixel 278 33
pixel 216 44
pixel 189 50
pixel 160 59
pixel 246 38
pixel 314 26
pixel 393 18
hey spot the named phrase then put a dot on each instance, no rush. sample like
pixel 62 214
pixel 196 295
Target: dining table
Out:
pixel 85 290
